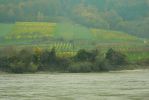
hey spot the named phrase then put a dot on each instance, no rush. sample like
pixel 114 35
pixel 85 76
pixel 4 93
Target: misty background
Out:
pixel 129 16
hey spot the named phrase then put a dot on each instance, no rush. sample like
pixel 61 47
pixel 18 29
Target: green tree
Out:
pixel 48 59
pixel 23 62
pixel 78 67
pixel 115 57
pixel 83 55
pixel 4 64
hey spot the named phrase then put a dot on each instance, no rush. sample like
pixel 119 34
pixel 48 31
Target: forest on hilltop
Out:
pixel 129 16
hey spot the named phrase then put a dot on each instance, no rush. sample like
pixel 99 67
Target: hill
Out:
pixel 31 30
pixel 35 32
pixel 67 38
pixel 5 28
pixel 130 16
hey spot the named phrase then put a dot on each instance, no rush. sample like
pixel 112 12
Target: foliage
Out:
pixel 125 15
pixel 21 67
pixel 101 64
pixel 84 55
pixel 144 62
pixel 79 67
pixel 115 58
pixel 50 61
pixel 36 59
pixel 4 64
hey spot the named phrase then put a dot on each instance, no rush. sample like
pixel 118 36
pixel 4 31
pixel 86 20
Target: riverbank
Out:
pixel 30 60
pixel 128 68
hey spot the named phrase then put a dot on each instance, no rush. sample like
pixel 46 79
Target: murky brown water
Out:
pixel 125 85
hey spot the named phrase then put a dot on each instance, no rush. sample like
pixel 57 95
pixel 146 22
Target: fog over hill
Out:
pixel 129 16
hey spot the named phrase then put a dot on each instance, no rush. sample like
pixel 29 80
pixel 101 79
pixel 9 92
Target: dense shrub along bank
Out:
pixel 33 60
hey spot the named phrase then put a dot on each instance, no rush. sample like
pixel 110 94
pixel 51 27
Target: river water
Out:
pixel 124 85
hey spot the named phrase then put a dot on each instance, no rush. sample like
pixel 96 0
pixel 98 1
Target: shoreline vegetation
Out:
pixel 34 60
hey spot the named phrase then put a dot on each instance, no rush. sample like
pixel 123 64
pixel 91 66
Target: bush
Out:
pixel 115 57
pixel 63 63
pixel 4 64
pixel 28 60
pixel 144 62
pixel 32 67
pixel 48 59
pixel 83 55
pixel 21 67
pixel 102 65
pixel 25 55
pixel 18 67
pixel 80 67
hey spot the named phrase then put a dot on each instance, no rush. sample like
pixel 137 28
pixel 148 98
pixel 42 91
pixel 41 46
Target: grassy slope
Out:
pixel 31 30
pixel 69 32
pixel 5 29
pixel 30 33
pixel 39 30
pixel 115 36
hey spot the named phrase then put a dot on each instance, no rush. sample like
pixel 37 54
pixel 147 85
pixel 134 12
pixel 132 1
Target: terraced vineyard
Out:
pixel 66 31
pixel 113 36
pixel 62 48
pixel 31 30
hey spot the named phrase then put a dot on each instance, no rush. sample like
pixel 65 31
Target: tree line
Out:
pixel 33 60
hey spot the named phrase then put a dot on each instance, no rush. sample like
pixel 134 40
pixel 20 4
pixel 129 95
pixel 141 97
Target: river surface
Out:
pixel 124 85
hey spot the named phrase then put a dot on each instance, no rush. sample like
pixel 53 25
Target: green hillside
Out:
pixel 69 31
pixel 25 32
pixel 5 29
pixel 48 35
pixel 31 30
pixel 130 16
pixel 67 38
pixel 113 36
